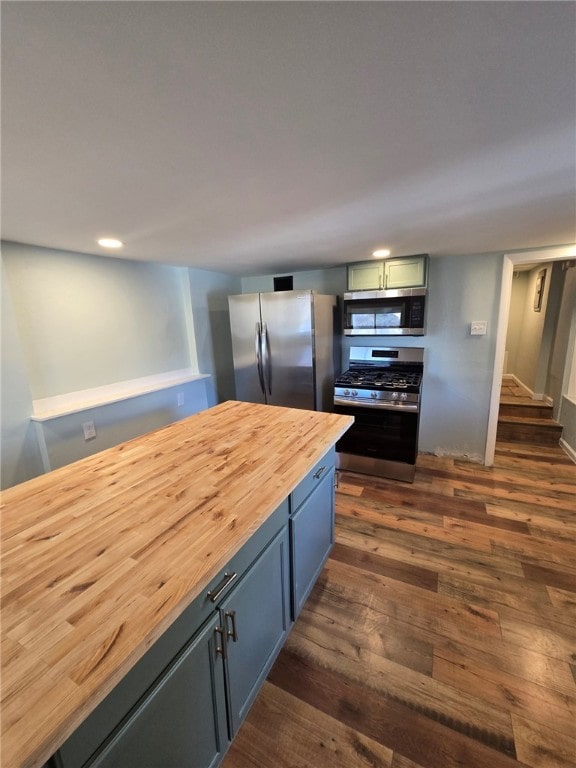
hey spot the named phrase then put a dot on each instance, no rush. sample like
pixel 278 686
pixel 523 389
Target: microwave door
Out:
pixel 383 316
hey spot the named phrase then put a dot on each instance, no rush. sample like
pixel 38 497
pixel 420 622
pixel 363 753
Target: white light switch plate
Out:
pixel 478 328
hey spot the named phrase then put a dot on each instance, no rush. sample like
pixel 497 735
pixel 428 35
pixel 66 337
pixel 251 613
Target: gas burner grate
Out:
pixel 391 379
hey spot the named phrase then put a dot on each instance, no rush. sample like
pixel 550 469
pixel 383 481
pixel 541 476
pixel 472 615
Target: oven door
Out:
pixel 380 434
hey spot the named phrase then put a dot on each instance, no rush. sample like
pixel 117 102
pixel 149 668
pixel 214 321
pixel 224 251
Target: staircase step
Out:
pixel 535 409
pixel 520 429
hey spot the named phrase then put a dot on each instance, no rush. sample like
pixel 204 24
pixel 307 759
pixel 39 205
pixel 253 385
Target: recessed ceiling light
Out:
pixel 381 252
pixel 110 242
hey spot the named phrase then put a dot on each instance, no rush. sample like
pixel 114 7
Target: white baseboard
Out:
pixel 571 453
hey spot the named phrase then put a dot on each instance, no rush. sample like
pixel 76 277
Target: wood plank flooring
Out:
pixel 442 631
pixel 512 391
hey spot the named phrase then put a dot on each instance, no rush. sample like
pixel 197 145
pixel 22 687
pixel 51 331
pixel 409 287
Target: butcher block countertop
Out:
pixel 101 556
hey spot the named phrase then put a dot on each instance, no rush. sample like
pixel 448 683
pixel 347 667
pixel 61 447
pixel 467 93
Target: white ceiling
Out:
pixel 275 136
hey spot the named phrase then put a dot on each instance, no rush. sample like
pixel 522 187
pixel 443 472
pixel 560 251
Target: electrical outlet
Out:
pixel 89 430
pixel 478 328
pixel 180 399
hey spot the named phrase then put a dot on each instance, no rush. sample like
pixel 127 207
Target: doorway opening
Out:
pixel 562 353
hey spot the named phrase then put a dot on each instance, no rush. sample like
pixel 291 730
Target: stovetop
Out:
pixel 404 378
pixel 381 377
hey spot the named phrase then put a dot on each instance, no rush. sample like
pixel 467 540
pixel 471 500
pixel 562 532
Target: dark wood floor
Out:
pixel 442 631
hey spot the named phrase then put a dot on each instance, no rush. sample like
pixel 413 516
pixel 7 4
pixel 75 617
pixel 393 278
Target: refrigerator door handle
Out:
pixel 258 350
pixel 267 357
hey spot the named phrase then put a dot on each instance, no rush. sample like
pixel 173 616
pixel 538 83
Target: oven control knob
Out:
pixel 374 395
pixel 403 396
pixel 346 393
pixel 394 395
pixel 354 393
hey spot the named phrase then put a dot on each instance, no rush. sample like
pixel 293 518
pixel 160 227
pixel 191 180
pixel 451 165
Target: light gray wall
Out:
pixel 20 454
pixel 331 282
pixel 459 367
pixel 568 421
pixel 516 313
pixel 120 421
pixel 565 349
pixel 73 322
pixel 526 357
pixel 209 293
pixel 82 319
pixel 543 383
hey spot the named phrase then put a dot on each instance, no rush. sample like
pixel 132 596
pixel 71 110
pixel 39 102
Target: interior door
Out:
pixel 289 371
pixel 245 326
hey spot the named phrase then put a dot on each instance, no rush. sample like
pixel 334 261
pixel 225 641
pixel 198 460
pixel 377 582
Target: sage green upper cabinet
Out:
pixel 404 272
pixel 366 276
pixel 409 272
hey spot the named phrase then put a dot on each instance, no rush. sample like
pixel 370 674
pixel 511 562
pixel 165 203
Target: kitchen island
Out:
pixel 111 564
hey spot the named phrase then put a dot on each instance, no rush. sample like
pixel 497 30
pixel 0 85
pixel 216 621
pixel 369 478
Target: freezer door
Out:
pixel 288 348
pixel 245 326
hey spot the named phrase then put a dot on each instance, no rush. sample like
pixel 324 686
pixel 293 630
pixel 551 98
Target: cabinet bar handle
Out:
pixel 227 579
pixel 234 633
pixel 319 472
pixel 220 649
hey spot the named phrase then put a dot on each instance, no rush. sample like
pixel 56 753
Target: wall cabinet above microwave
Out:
pixel 404 272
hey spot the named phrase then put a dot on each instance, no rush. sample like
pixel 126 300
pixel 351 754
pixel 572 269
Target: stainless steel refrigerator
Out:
pixel 283 347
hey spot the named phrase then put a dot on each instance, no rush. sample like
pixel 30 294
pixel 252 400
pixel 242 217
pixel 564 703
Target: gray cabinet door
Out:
pixel 256 618
pixel 181 723
pixel 312 537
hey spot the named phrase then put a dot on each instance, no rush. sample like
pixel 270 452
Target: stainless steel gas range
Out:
pixel 382 390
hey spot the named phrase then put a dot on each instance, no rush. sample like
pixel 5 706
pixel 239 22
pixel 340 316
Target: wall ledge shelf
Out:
pixel 49 408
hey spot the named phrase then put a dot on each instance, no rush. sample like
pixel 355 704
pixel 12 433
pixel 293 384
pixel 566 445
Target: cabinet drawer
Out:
pixel 312 479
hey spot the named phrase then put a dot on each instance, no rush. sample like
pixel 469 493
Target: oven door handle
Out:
pixel 381 405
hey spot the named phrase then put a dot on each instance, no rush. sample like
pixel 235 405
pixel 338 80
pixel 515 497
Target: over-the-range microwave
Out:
pixel 385 313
